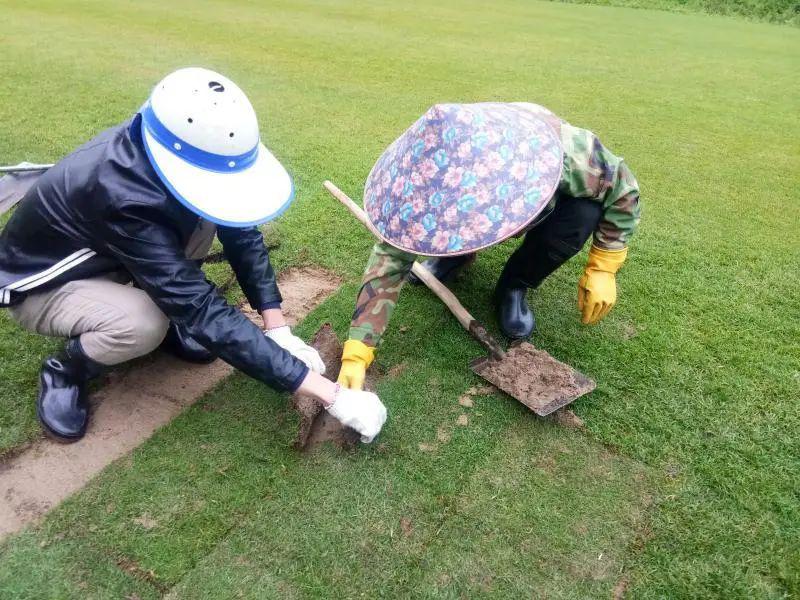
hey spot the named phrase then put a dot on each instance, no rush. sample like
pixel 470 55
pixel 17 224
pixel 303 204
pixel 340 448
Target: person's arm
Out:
pixel 621 212
pixel 383 279
pixel 244 248
pixel 592 171
pixel 245 251
pixel 384 276
pixel 149 249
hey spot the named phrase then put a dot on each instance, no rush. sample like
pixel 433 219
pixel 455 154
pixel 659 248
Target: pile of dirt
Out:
pixel 566 418
pixel 535 378
pixel 316 425
pixel 467 398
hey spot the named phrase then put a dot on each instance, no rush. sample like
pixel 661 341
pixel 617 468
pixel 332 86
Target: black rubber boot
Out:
pixel 547 246
pixel 62 405
pixel 515 317
pixel 186 348
pixel 444 268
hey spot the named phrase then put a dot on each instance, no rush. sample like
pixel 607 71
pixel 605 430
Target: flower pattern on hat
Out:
pixel 464 177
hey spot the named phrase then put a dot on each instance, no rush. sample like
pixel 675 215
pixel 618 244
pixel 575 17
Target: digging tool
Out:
pixel 23 168
pixel 524 372
pixel 15 181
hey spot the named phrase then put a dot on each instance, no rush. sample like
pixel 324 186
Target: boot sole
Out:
pixel 57 437
pixel 54 437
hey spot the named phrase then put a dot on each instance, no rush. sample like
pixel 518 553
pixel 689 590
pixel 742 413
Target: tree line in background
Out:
pixel 774 11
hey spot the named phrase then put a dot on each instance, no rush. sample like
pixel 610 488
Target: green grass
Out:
pixel 685 481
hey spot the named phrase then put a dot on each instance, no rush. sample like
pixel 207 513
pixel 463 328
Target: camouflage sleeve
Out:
pixel 384 276
pixel 592 171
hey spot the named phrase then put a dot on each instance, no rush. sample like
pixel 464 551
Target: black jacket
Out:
pixel 102 209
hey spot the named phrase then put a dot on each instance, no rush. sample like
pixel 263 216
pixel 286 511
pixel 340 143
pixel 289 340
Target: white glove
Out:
pixel 284 337
pixel 363 411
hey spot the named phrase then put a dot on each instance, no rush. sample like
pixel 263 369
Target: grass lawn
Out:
pixel 684 483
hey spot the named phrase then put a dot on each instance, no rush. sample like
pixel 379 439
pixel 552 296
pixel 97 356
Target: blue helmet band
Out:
pixel 218 163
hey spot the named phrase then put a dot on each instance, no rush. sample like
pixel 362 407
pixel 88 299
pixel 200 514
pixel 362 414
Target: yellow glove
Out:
pixel 356 358
pixel 597 288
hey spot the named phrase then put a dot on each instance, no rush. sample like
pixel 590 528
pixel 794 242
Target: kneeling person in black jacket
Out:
pixel 140 204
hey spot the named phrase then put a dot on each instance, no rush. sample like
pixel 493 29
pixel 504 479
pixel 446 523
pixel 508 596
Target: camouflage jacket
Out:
pixel 590 171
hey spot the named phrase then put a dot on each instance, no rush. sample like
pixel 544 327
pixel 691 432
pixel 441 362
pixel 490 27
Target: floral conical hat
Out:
pixel 465 177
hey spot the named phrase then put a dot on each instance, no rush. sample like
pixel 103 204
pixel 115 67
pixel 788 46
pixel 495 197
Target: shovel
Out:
pixel 525 373
pixel 23 167
pixel 15 181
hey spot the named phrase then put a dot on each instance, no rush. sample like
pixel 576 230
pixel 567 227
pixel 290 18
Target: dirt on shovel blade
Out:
pixel 535 378
pixel 316 425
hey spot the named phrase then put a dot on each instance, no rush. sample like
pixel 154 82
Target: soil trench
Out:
pixel 135 402
pixel 316 425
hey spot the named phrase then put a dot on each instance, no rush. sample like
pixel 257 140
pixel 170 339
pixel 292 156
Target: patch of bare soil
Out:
pixel 620 588
pixel 535 378
pixel 566 418
pixel 309 287
pixel 147 575
pixel 397 370
pixel 146 521
pixel 406 526
pixel 328 429
pixel 135 401
pixel 466 399
pixel 628 331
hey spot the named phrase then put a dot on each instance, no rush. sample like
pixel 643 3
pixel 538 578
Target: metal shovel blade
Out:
pixel 533 377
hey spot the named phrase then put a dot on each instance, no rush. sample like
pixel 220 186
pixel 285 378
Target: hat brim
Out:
pixel 244 198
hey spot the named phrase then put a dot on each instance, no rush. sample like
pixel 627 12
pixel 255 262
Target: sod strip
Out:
pixel 135 403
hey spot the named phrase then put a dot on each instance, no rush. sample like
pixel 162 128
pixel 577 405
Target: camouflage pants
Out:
pixel 552 242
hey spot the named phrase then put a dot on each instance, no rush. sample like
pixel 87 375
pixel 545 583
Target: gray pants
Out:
pixel 115 321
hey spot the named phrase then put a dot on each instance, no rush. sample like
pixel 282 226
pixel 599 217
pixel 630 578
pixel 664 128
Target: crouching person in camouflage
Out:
pixel 467 176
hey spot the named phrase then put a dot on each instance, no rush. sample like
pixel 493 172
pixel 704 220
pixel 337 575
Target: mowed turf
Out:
pixel 684 483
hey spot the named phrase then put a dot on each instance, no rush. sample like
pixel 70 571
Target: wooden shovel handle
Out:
pixel 354 208
pixel 467 321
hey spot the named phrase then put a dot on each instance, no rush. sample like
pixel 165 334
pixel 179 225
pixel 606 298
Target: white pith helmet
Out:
pixel 201 135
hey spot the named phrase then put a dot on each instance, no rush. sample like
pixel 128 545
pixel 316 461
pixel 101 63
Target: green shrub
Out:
pixel 775 11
